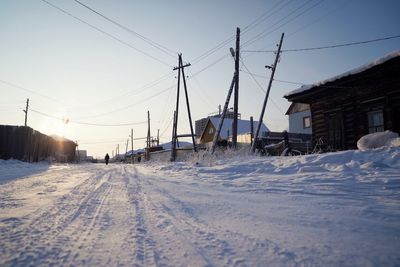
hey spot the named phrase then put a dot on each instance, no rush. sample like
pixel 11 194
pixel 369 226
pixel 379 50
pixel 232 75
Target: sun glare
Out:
pixel 59 127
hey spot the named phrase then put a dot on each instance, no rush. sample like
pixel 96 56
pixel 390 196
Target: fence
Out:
pixel 26 144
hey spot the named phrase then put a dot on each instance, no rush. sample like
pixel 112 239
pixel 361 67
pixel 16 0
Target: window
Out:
pixel 375 121
pixel 307 122
pixel 211 130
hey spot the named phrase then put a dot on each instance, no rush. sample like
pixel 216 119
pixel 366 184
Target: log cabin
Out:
pixel 361 101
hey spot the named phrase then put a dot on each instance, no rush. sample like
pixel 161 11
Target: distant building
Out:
pixel 299 118
pixel 202 123
pixel 244 128
pixel 361 101
pixel 81 155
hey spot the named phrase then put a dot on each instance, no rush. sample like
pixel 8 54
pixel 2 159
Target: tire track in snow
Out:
pixel 59 232
pixel 204 244
pixel 145 246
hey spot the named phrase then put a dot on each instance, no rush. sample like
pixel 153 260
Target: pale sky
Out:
pixel 96 74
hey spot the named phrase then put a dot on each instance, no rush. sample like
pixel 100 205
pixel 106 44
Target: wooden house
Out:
pixel 211 126
pixel 348 106
pixel 299 118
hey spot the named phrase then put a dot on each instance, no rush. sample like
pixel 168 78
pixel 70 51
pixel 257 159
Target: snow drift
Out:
pixel 377 140
pixel 333 209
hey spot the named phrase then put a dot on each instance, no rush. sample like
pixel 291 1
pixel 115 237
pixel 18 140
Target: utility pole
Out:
pixel 77 152
pixel 132 146
pixel 26 111
pixel 221 120
pixel 175 135
pixel 273 68
pixel 158 137
pixel 118 152
pixel 236 94
pixel 251 130
pixel 126 148
pixel 148 136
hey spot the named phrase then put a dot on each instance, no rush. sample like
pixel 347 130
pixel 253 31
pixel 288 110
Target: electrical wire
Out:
pixel 201 93
pixel 106 33
pixel 266 32
pixel 326 47
pixel 156 45
pixel 131 105
pixel 277 80
pixel 266 15
pixel 166 128
pixel 137 90
pixel 64 120
pixel 270 12
pixel 262 89
pixel 101 142
pixel 211 64
pixel 31 91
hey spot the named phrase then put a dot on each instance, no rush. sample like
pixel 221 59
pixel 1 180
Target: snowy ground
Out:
pixel 337 209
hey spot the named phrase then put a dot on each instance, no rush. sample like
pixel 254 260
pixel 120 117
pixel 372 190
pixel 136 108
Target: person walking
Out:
pixel 107 158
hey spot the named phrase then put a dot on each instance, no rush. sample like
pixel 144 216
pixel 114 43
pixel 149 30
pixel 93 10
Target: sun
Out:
pixel 57 124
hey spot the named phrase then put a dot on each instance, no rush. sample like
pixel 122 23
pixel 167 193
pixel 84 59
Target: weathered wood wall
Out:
pixel 341 106
pixel 24 143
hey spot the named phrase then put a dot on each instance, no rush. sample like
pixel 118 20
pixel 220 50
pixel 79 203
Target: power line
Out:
pixel 131 105
pixel 259 85
pixel 211 64
pixel 254 23
pixel 31 91
pixel 167 127
pixel 102 142
pixel 326 47
pixel 158 46
pixel 201 93
pixel 106 33
pixel 64 120
pixel 265 33
pixel 290 82
pixel 264 16
pixel 139 89
pixel 277 80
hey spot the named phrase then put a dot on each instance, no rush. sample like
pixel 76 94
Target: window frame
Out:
pixel 372 127
pixel 304 122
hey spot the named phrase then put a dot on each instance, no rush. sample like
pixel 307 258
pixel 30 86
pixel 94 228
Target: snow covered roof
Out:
pixel 360 69
pixel 243 126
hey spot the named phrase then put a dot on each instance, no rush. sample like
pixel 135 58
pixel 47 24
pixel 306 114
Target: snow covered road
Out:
pixel 339 209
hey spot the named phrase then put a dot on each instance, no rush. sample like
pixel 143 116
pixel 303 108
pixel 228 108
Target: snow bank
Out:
pixel 231 209
pixel 377 140
pixel 12 169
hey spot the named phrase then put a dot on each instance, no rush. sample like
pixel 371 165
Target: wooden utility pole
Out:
pixel 236 94
pixel 26 111
pixel 77 157
pixel 251 130
pixel 173 142
pixel 132 146
pixel 175 135
pixel 126 147
pixel 148 136
pixel 158 137
pixel 273 67
pixel 118 152
pixel 221 120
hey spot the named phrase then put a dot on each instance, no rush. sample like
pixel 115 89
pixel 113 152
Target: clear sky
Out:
pixel 102 74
